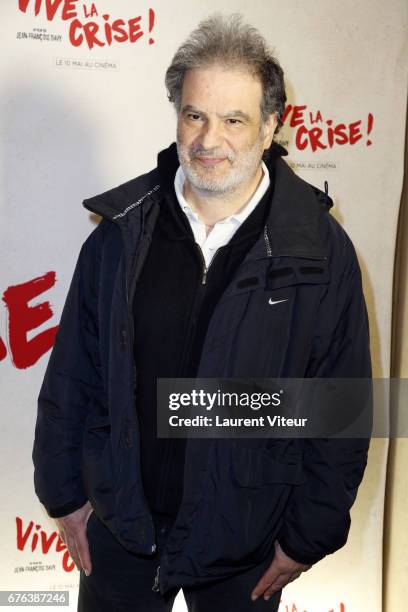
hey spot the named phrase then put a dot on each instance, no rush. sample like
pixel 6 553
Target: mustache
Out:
pixel 198 151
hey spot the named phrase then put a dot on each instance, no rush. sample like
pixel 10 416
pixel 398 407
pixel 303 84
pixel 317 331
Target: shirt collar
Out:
pixel 238 217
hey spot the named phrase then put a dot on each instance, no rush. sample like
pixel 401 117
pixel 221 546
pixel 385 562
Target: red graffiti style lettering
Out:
pixel 340 132
pixel 286 112
pixel 117 27
pixel 370 121
pixel 23 318
pixel 134 29
pixel 293 608
pixel 118 31
pixel 22 536
pixel 297 115
pixel 318 117
pixel 355 133
pixel 92 33
pixel 315 135
pixel 46 543
pixel 3 350
pixel 327 134
pixel 34 534
pixel 92 11
pixel 151 24
pixel 67 564
pixel 90 29
pixel 68 11
pixel 301 138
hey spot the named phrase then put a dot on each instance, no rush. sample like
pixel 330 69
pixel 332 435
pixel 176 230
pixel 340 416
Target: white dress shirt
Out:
pixel 224 229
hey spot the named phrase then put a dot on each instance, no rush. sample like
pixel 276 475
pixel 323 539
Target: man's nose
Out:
pixel 211 136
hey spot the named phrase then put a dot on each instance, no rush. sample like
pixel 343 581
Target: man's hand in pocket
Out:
pixel 72 530
pixel 282 570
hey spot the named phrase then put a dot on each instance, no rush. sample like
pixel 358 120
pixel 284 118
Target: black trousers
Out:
pixel 122 581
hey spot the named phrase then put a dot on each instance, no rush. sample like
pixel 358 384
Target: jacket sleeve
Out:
pixel 72 380
pixel 317 517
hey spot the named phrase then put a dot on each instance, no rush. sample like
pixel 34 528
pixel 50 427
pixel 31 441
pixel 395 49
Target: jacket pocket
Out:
pixel 297 272
pixel 97 465
pixel 97 431
pixel 245 493
pixel 252 467
pixel 88 522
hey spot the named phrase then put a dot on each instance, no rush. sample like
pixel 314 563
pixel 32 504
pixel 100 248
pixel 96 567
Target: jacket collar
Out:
pixel 293 226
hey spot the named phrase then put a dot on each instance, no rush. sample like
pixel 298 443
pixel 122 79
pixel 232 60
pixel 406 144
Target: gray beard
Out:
pixel 238 175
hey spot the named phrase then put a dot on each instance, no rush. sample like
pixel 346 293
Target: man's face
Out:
pixel 220 137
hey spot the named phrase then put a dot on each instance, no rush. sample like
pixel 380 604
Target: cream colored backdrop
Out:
pixel 76 121
pixel 396 500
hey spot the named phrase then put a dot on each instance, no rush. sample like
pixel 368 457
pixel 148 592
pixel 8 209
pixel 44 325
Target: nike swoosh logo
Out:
pixel 272 302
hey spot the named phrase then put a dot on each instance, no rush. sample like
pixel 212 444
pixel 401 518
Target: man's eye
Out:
pixel 193 116
pixel 234 121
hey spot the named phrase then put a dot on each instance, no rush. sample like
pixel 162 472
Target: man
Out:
pixel 220 262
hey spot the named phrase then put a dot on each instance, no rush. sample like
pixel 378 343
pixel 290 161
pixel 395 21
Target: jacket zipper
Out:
pixel 155 586
pixel 268 244
pixel 205 268
pixel 163 481
pixel 132 333
pixel 201 293
pixel 269 250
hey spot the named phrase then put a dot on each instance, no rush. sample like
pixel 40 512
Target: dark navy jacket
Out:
pixel 237 498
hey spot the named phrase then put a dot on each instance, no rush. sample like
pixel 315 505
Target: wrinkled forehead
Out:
pixel 219 90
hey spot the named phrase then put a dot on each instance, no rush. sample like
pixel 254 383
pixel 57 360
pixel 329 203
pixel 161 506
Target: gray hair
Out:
pixel 230 43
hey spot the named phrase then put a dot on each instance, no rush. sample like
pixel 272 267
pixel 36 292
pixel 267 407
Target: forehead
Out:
pixel 218 89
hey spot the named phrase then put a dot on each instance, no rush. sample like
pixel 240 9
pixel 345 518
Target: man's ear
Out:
pixel 269 128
